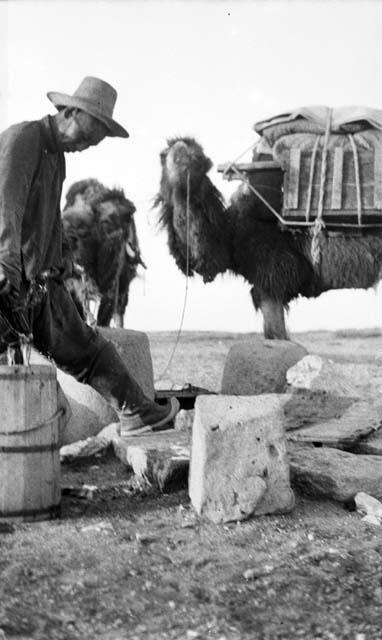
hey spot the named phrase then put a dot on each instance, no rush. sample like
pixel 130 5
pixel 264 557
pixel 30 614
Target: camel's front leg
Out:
pixel 118 320
pixel 273 319
pixel 273 315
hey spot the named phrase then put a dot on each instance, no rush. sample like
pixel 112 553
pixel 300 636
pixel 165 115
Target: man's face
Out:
pixel 81 131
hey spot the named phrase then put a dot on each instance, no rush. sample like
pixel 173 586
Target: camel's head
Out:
pixel 79 229
pixel 192 210
pixel 77 222
pixel 115 221
pixel 184 157
pixel 82 192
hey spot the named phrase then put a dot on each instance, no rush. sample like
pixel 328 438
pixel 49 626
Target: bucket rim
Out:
pixel 23 370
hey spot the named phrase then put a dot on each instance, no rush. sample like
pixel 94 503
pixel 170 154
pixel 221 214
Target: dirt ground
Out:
pixel 134 564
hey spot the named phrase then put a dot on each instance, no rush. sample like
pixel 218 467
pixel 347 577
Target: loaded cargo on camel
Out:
pixel 306 218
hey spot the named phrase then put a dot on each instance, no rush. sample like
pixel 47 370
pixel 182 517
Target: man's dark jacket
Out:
pixel 32 170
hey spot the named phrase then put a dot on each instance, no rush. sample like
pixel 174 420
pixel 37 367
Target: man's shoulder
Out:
pixel 29 129
pixel 21 140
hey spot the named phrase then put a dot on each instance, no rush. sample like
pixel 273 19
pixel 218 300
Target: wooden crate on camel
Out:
pixel 317 166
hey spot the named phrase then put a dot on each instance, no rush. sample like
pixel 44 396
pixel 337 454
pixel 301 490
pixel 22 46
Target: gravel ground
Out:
pixel 135 564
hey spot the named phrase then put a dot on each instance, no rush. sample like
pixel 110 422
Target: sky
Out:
pixel 205 69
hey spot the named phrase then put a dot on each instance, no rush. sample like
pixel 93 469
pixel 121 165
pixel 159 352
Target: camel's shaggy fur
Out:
pixel 83 191
pixel 246 239
pixel 99 225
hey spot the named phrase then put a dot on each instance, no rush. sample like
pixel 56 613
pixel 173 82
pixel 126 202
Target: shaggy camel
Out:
pixel 247 240
pixel 100 230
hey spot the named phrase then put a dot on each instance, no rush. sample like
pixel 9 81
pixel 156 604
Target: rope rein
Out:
pixel 161 376
pixel 118 272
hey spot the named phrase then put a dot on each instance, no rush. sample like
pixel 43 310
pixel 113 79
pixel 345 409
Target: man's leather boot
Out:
pixel 110 377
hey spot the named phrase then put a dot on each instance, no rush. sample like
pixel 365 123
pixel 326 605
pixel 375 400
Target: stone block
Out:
pixel 337 378
pixel 90 412
pixel 329 472
pixel 259 366
pixel 239 465
pixel 134 349
pixel 161 458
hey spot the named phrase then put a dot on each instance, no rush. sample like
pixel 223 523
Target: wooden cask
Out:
pixel 29 443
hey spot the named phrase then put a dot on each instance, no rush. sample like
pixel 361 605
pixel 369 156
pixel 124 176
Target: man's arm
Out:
pixel 20 150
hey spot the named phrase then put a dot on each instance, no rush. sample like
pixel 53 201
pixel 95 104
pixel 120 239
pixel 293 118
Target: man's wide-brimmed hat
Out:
pixel 96 97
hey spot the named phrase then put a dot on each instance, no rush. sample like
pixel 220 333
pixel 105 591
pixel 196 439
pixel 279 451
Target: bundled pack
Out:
pixel 332 163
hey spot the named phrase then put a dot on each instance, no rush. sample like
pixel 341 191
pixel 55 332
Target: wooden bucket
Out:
pixel 29 443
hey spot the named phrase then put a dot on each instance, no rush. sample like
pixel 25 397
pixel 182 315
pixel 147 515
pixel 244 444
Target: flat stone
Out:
pixel 239 465
pixel 160 458
pixel 91 446
pixel 342 379
pixel 370 445
pixel 358 421
pixel 259 366
pixel 134 349
pixel 307 407
pixel 336 474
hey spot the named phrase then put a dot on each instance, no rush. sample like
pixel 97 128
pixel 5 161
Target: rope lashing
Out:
pixel 315 249
pixel 228 168
pixel 357 178
pixel 293 223
pixel 187 279
pixel 311 177
pixel 319 223
pixel 242 177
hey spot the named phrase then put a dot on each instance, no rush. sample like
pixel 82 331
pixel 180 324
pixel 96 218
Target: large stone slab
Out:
pixel 357 422
pixel 134 349
pixel 329 472
pixel 239 466
pixel 90 412
pixel 259 366
pixel 342 379
pixel 161 458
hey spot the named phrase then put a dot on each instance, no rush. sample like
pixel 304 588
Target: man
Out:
pixel 32 293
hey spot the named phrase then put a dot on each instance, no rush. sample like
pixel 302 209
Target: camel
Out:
pixel 100 230
pixel 243 237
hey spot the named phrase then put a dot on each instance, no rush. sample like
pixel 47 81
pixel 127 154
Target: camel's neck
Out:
pixel 199 222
